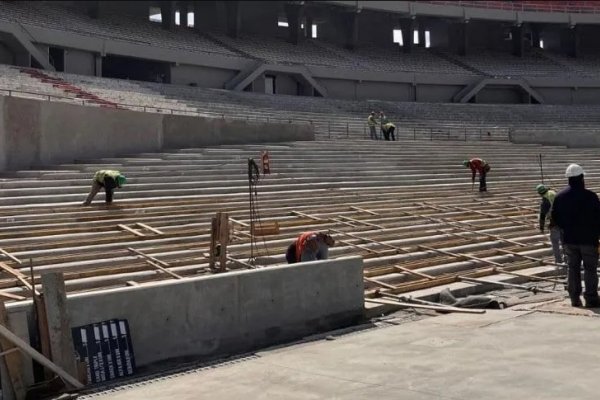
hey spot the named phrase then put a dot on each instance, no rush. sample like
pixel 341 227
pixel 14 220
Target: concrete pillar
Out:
pixel 308 26
pixel 461 38
pixel 574 42
pixel 407 25
pixel 535 35
pixel 422 29
pixel 98 65
pixel 167 13
pixel 351 24
pixel 518 39
pixel 294 14
pixel 93 9
pixel 183 14
pixel 232 9
pixel 205 15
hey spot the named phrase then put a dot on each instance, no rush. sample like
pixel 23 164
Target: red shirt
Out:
pixel 301 244
pixel 476 165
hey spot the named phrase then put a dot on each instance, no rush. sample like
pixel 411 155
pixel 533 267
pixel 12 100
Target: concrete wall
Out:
pixel 34 133
pixel 224 314
pixel 201 76
pixel 182 131
pixel 80 62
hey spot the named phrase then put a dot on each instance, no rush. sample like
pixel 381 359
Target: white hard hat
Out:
pixel 574 170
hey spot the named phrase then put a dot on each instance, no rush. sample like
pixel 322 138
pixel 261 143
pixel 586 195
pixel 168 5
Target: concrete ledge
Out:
pixel 36 132
pixel 225 314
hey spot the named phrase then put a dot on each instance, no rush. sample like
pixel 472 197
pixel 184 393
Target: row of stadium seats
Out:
pixel 374 57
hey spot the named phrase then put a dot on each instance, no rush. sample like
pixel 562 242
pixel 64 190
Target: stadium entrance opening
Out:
pixel 135 69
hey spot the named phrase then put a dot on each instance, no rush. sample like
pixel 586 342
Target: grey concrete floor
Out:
pixel 532 352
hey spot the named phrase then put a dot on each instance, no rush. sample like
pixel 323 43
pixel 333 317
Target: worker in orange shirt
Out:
pixel 310 246
pixel 481 167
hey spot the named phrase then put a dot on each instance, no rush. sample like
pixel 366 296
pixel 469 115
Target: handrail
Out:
pixel 552 6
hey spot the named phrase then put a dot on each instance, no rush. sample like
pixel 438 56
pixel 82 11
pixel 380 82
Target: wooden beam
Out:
pixel 363 210
pixel 160 268
pixel 13 361
pixel 379 283
pixel 425 306
pixel 34 354
pixel 151 229
pixel 131 230
pixel 59 323
pixel 7 254
pixel 19 276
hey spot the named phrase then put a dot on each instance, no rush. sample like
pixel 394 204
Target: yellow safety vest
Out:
pixel 550 195
pixel 100 175
pixel 371 121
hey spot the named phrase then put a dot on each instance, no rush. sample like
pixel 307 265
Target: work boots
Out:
pixel 592 303
pixel 576 302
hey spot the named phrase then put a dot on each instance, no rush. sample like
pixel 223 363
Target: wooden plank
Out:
pixel 149 257
pixel 13 361
pixel 132 283
pixel 425 306
pixel 131 230
pixel 245 264
pixel 7 254
pixel 379 283
pixel 505 284
pixel 19 276
pixel 361 222
pixel 459 255
pixel 151 229
pixel 214 232
pixel 59 325
pixel 235 221
pixel 363 210
pixel 11 296
pixel 413 272
pixel 430 303
pixel 34 354
pixel 532 277
pixel 160 268
pixel 42 327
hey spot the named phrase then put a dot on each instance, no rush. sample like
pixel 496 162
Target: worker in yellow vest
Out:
pixel 107 179
pixel 372 122
pixel 548 196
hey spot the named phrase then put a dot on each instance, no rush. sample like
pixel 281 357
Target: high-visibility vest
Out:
pixel 550 195
pixel 301 244
pixel 387 126
pixel 371 121
pixel 100 175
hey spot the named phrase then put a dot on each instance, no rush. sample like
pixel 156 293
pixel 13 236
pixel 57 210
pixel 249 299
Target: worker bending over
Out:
pixel 107 179
pixel 372 122
pixel 310 246
pixel 548 196
pixel 576 211
pixel 480 166
pixel 388 130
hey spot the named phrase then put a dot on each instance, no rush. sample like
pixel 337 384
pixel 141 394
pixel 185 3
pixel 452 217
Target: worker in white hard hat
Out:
pixel 576 211
pixel 548 195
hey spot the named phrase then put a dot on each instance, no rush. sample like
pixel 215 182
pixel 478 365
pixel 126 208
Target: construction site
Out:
pixel 207 200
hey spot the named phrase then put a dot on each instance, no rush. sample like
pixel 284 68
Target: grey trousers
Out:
pixel 589 255
pixel 556 240
pixel 96 187
pixel 373 132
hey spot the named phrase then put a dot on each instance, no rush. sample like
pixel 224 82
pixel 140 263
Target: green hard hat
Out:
pixel 466 163
pixel 541 189
pixel 121 180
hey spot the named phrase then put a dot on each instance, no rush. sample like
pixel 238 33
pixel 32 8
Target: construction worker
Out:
pixel 388 130
pixel 309 246
pixel 548 196
pixel 576 211
pixel 480 166
pixel 382 121
pixel 107 179
pixel 372 122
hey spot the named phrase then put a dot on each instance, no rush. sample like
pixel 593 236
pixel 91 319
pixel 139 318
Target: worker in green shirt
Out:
pixel 107 179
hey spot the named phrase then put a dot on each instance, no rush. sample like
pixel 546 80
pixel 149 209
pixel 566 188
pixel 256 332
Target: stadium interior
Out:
pixel 178 95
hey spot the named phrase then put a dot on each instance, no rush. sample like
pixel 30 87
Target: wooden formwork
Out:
pixel 406 207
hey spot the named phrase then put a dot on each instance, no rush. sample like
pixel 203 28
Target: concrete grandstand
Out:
pixel 181 95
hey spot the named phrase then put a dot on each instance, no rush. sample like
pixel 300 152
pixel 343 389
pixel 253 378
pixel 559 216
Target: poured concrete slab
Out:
pixel 500 355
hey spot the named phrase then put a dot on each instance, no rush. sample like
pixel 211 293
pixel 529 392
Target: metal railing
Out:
pixel 355 127
pixel 548 6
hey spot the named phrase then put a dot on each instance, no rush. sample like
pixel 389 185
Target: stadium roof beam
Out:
pixel 19 40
